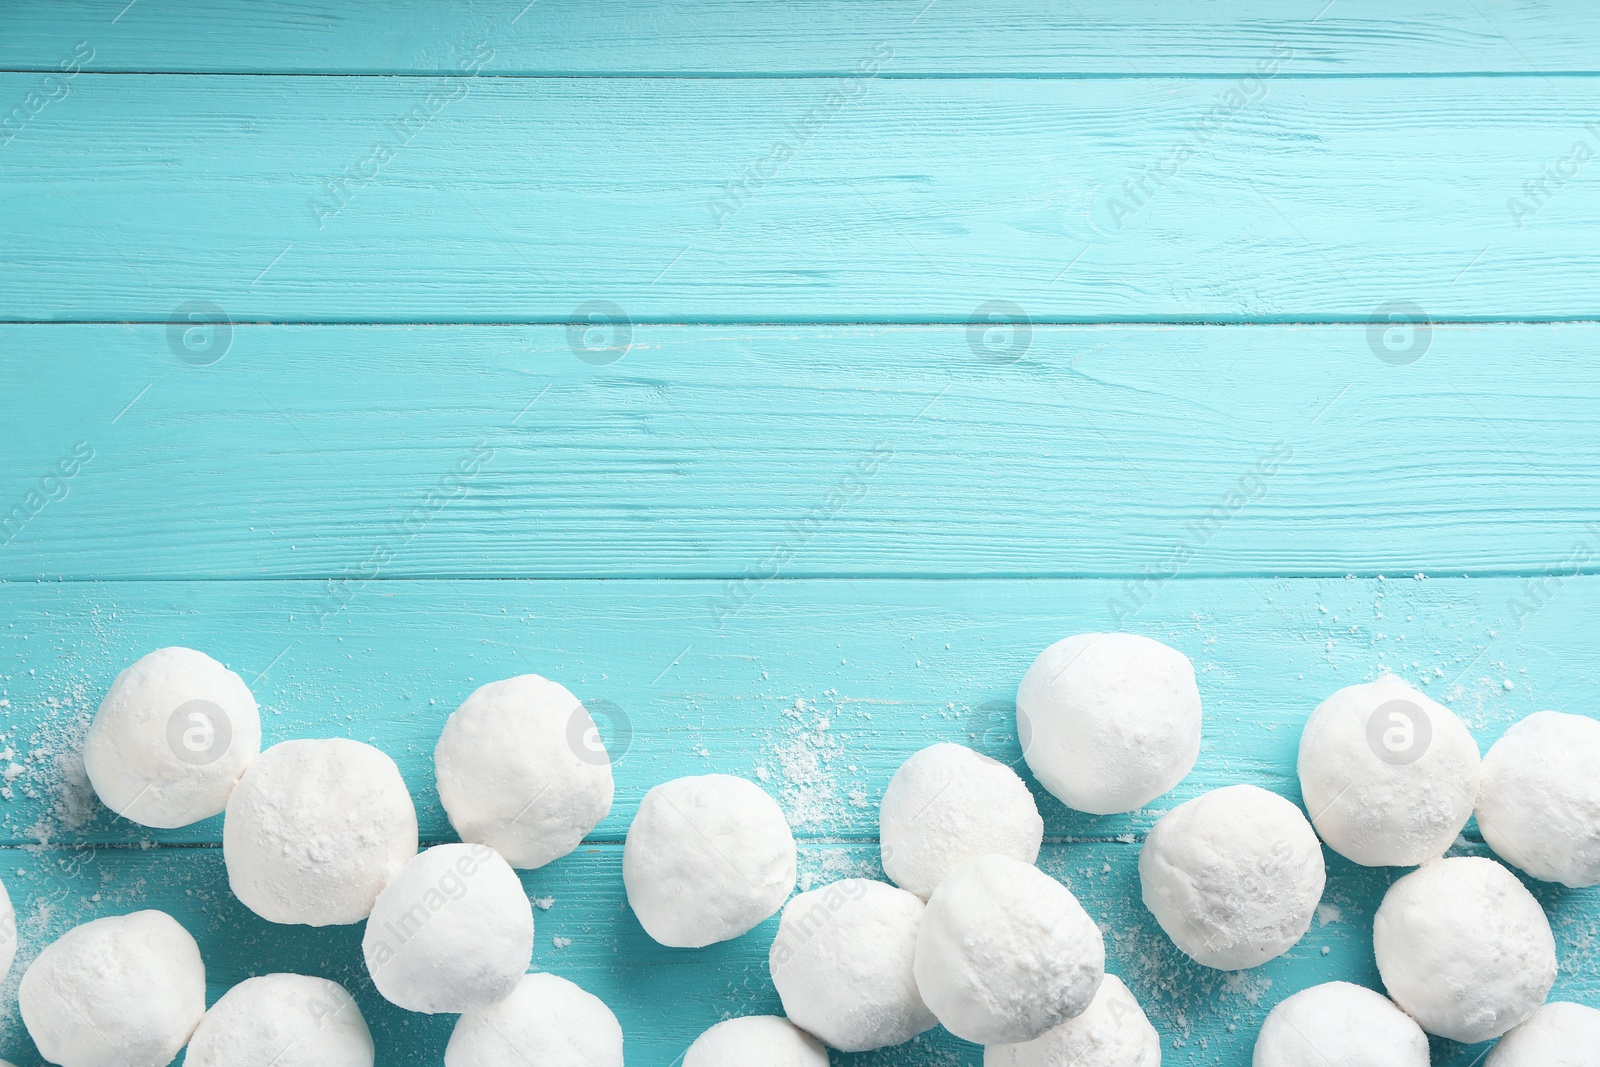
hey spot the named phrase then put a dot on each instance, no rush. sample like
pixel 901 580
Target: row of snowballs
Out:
pixel 975 937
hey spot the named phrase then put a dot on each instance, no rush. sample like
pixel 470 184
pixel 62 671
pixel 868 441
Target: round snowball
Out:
pixel 756 1041
pixel 1233 876
pixel 1006 953
pixel 946 806
pixel 8 932
pixel 282 1020
pixel 706 859
pixel 452 932
pixel 315 830
pixel 1109 722
pixel 546 1021
pixel 1112 1032
pixel 1388 775
pixel 172 738
pixel 120 992
pixel 1464 948
pixel 522 769
pixel 1560 1034
pixel 1340 1023
pixel 1539 803
pixel 842 963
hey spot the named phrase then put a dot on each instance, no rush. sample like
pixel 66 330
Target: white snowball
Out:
pixel 282 1020
pixel 1006 953
pixel 756 1041
pixel 1233 876
pixel 1112 1032
pixel 1464 948
pixel 546 1021
pixel 1560 1034
pixel 172 738
pixel 1539 804
pixel 842 963
pixel 946 806
pixel 521 768
pixel 120 992
pixel 1109 722
pixel 1388 775
pixel 315 830
pixel 707 859
pixel 8 932
pixel 1340 1023
pixel 453 931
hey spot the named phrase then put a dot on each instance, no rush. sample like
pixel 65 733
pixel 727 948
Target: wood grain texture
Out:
pixel 750 37
pixel 783 200
pixel 665 997
pixel 818 689
pixel 1136 452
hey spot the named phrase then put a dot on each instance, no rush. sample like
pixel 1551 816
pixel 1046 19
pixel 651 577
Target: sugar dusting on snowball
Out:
pixel 842 963
pixel 546 1021
pixel 453 931
pixel 1006 952
pixel 8 932
pixel 707 858
pixel 946 806
pixel 1233 876
pixel 315 830
pixel 1560 1034
pixel 171 738
pixel 1112 1032
pixel 1539 804
pixel 282 1020
pixel 1388 775
pixel 125 991
pixel 1340 1023
pixel 1464 948
pixel 522 769
pixel 756 1041
pixel 1109 722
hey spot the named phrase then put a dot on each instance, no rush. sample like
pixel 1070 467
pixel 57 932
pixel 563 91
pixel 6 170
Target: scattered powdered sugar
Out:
pixel 809 758
pixel 47 766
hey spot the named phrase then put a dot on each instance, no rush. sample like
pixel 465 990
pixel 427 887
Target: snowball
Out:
pixel 1560 1034
pixel 707 859
pixel 8 932
pixel 120 992
pixel 756 1041
pixel 315 830
pixel 1233 876
pixel 172 738
pixel 1340 1023
pixel 1006 953
pixel 1112 1032
pixel 1539 804
pixel 842 962
pixel 1109 722
pixel 1388 775
pixel 282 1020
pixel 546 1021
pixel 948 805
pixel 453 931
pixel 1464 948
pixel 521 768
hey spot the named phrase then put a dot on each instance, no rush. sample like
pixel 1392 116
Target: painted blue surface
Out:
pixel 664 516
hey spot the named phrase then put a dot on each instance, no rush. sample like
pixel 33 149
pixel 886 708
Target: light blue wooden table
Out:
pixel 781 377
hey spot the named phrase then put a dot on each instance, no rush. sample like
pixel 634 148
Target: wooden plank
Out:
pixel 819 689
pixel 322 452
pixel 822 36
pixel 784 200
pixel 665 997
